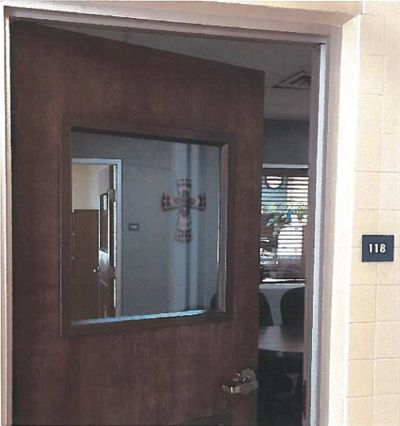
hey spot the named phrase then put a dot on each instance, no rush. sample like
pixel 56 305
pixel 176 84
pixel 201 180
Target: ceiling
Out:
pixel 278 60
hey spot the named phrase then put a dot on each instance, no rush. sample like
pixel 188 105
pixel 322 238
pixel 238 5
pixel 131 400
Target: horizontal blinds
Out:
pixel 284 207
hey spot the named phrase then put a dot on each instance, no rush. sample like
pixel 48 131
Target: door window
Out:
pixel 148 235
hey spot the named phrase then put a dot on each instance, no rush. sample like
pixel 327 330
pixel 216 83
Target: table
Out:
pixel 280 370
pixel 281 341
pixel 273 289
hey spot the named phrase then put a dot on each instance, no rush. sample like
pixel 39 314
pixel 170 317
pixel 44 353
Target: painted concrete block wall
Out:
pixel 374 352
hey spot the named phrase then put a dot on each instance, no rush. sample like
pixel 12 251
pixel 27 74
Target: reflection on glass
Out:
pixel 146 224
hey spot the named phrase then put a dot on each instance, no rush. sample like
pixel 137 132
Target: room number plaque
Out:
pixel 377 248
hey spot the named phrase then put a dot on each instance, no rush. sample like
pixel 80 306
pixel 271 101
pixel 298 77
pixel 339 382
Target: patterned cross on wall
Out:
pixel 184 203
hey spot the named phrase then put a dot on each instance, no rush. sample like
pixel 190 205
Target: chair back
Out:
pixel 292 307
pixel 265 315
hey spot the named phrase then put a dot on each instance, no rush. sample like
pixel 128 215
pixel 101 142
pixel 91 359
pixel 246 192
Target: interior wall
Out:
pixel 286 141
pixel 86 186
pixel 160 274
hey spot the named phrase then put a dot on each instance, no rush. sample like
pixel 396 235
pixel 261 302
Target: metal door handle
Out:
pixel 242 383
pixel 96 270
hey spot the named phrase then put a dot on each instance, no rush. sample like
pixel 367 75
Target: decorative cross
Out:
pixel 184 203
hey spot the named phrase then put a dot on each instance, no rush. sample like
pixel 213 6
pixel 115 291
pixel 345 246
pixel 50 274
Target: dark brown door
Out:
pixel 85 287
pixel 148 376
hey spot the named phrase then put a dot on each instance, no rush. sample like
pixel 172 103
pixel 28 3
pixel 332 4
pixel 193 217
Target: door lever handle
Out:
pixel 242 383
pixel 96 270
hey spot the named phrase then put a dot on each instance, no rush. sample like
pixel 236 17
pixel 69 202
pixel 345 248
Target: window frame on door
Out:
pixel 226 143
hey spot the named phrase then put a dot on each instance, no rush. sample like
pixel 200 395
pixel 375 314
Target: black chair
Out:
pixel 265 315
pixel 292 307
pixel 214 302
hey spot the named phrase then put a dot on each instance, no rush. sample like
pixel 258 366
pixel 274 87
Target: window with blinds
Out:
pixel 284 208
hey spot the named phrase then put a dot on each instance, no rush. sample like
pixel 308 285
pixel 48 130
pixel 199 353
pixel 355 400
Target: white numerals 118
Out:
pixel 377 248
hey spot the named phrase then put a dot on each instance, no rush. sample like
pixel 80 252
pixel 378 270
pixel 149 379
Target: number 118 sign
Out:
pixel 377 248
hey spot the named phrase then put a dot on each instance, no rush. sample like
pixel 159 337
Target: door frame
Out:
pixel 332 144
pixel 118 198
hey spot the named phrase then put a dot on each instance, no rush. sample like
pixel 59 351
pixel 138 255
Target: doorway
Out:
pixel 96 203
pixel 283 282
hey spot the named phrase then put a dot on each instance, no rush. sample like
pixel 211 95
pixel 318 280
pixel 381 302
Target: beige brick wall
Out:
pixel 374 352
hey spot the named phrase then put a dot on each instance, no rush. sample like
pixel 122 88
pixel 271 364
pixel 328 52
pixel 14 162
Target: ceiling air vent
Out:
pixel 300 80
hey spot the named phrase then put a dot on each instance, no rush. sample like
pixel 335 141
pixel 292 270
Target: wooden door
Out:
pixel 84 261
pixel 106 267
pixel 146 376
